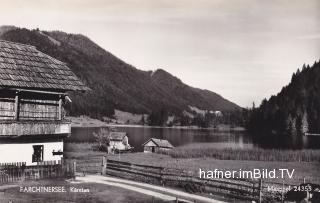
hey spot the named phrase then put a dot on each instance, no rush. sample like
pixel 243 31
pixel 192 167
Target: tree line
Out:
pixel 282 120
pixel 208 119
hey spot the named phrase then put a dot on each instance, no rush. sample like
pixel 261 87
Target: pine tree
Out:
pixel 304 123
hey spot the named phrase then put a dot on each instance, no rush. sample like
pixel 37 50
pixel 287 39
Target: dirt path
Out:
pixel 147 189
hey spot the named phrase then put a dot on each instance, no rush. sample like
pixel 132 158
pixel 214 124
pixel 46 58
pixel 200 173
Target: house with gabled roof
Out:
pixel 33 89
pixel 118 141
pixel 155 145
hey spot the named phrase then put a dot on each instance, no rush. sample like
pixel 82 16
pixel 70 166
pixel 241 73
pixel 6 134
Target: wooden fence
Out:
pixel 239 188
pixel 18 171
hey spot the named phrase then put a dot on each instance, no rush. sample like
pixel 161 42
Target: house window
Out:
pixel 37 155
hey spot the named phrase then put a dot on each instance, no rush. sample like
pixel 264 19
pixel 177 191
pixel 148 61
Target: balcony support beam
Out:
pixel 60 108
pixel 16 106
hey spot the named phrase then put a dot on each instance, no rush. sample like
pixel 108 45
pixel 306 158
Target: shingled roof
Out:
pixel 23 66
pixel 159 143
pixel 119 136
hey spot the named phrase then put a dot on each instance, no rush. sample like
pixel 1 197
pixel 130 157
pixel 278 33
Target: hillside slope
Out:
pixel 114 83
pixel 189 96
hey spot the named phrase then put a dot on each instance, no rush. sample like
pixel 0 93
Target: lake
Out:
pixel 177 137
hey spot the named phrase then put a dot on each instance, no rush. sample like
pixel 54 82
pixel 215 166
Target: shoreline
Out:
pixel 73 125
pixel 79 122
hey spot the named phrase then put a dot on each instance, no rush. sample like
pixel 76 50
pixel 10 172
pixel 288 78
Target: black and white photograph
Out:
pixel 159 101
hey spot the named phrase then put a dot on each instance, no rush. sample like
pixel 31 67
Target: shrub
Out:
pixel 103 138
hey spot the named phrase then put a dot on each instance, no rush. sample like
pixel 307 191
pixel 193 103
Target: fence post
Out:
pixel 260 190
pixel 24 170
pixel 161 177
pixel 59 168
pixel 67 165
pixel 254 193
pixel 74 169
pixel 104 166
pixel 282 192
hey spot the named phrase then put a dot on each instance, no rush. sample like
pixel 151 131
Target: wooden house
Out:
pixel 33 88
pixel 118 141
pixel 154 145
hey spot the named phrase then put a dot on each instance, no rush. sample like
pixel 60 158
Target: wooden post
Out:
pixel 260 190
pixel 16 106
pixel 253 189
pixel 104 166
pixel 161 177
pixel 60 108
pixel 68 165
pixel 74 169
pixel 62 167
pixel 308 196
pixel 282 192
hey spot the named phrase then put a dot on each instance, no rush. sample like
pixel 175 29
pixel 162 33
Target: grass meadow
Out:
pixel 304 168
pixel 207 150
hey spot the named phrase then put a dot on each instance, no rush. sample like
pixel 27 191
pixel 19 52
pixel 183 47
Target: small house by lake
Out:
pixel 119 141
pixel 154 145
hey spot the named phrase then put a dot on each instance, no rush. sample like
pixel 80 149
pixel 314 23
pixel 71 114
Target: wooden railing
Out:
pixel 16 128
pixel 18 171
pixel 19 105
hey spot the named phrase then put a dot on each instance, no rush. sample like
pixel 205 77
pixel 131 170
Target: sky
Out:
pixel 244 50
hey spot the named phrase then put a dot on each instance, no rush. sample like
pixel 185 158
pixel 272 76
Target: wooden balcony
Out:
pixel 11 128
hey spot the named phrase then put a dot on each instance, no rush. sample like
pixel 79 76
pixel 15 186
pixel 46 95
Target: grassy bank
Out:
pixel 308 170
pixel 207 150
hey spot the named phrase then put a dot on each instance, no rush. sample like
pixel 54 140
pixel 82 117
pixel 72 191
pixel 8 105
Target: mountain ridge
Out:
pixel 115 84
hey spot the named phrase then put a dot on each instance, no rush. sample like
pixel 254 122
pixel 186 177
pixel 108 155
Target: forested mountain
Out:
pixel 186 95
pixel 114 83
pixel 292 112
